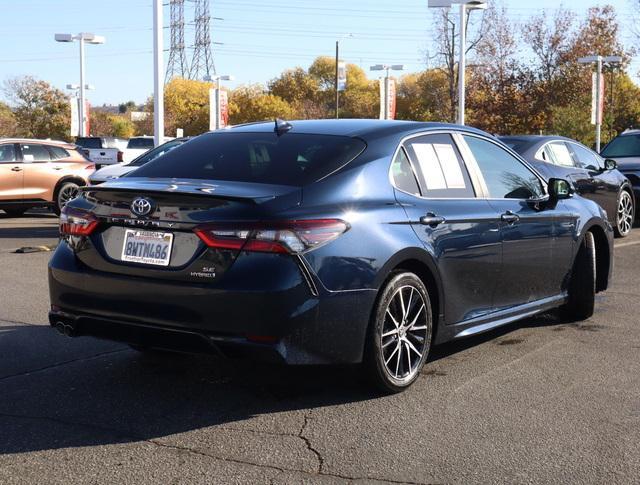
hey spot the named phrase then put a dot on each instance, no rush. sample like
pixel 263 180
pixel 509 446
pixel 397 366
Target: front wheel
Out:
pixel 582 285
pixel 400 333
pixel 624 214
pixel 67 192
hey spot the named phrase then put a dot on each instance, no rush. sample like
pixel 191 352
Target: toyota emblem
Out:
pixel 141 206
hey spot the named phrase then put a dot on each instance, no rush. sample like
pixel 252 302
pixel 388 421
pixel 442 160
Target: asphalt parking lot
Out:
pixel 538 401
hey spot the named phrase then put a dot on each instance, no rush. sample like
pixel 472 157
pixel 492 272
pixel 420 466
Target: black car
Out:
pixel 593 177
pixel 332 241
pixel 625 151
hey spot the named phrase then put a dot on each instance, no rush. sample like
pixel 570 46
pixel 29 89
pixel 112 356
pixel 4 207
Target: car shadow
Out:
pixel 60 392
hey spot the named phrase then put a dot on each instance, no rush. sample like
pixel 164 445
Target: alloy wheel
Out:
pixel 625 214
pixel 404 335
pixel 67 193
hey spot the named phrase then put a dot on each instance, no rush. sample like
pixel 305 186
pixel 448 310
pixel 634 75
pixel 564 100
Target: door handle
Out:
pixel 509 217
pixel 57 168
pixel 431 220
pixel 16 169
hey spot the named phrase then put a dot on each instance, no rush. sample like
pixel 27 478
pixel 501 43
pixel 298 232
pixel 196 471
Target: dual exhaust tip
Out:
pixel 65 329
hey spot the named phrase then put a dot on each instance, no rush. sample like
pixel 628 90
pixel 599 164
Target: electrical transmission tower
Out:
pixel 202 66
pixel 177 65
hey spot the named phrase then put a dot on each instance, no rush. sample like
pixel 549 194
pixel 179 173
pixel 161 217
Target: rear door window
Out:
pixel 8 153
pixel 441 172
pixel 58 152
pixel 585 158
pixel 291 159
pixel 35 153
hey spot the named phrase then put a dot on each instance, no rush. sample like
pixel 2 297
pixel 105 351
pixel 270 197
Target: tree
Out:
pixel 187 106
pixel 126 107
pixel 251 103
pixel 302 91
pixel 424 96
pixel 40 110
pixel 8 125
pixel 104 123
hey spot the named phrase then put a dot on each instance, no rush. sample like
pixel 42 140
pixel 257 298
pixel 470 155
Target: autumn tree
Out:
pixel 187 106
pixel 40 110
pixel 8 125
pixel 252 103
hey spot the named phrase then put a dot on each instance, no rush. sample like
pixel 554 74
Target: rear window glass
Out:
pixel 89 142
pixel 140 143
pixel 291 159
pixel 155 153
pixel 623 146
pixel 8 153
pixel 59 152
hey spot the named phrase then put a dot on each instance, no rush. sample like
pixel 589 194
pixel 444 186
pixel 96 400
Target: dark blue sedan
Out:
pixel 334 241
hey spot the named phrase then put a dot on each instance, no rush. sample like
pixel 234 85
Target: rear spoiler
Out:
pixel 209 195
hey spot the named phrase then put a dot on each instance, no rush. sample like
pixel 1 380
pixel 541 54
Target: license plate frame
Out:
pixel 141 253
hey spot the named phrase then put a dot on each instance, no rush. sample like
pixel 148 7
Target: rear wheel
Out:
pixel 624 215
pixel 400 334
pixel 67 192
pixel 582 286
pixel 15 211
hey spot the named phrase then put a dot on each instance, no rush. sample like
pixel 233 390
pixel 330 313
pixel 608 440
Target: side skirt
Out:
pixel 485 323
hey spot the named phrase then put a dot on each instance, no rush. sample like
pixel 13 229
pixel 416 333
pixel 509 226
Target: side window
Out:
pixel 559 154
pixel 402 174
pixel 441 172
pixel 35 153
pixel 584 157
pixel 58 152
pixel 7 153
pixel 506 176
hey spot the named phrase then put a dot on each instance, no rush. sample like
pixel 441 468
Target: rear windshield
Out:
pixel 623 146
pixel 140 143
pixel 516 144
pixel 290 159
pixel 89 142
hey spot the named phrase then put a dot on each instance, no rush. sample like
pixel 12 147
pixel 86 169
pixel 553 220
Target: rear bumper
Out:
pixel 289 323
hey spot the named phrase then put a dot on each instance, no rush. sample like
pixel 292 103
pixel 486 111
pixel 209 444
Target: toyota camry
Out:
pixel 321 242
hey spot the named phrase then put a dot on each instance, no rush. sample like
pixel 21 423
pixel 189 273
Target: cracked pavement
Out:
pixel 538 401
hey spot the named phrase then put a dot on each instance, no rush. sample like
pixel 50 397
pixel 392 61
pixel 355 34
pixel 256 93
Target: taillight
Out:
pixel 91 167
pixel 120 155
pixel 277 237
pixel 76 222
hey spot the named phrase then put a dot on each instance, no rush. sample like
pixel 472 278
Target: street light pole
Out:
pixel 599 60
pixel 82 37
pixel 462 61
pixel 158 78
pixel 217 92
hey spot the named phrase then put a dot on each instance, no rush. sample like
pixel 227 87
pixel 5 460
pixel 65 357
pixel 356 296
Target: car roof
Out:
pixel 630 132
pixel 363 128
pixel 38 141
pixel 536 138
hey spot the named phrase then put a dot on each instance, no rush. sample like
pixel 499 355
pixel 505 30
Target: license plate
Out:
pixel 147 247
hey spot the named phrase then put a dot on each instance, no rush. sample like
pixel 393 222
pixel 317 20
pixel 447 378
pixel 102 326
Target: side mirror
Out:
pixel 610 164
pixel 559 189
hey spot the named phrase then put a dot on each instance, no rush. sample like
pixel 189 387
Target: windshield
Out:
pixel 290 159
pixel 155 153
pixel 89 142
pixel 623 146
pixel 145 143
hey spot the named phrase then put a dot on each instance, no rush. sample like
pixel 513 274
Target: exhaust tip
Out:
pixel 65 329
pixel 59 326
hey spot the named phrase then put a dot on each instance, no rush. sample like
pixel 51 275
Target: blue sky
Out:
pixel 260 38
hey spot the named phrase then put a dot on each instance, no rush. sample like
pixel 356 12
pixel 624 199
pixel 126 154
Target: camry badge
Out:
pixel 142 206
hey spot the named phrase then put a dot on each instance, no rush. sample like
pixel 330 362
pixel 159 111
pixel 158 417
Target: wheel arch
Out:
pixel 603 255
pixel 67 178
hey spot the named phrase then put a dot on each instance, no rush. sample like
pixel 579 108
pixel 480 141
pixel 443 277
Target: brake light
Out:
pixel 290 237
pixel 120 155
pixel 76 222
pixel 90 167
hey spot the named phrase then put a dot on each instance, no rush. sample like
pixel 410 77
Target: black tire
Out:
pixel 406 296
pixel 625 214
pixel 62 195
pixel 15 211
pixel 582 285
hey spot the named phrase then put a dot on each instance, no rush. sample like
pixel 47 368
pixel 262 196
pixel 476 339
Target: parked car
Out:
pixel 40 173
pixel 102 150
pixel 625 151
pixel 121 169
pixel 331 241
pixel 593 177
pixel 136 146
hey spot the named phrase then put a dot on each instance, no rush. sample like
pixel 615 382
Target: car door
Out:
pixel 605 185
pixel 460 230
pixel 536 242
pixel 40 175
pixel 11 173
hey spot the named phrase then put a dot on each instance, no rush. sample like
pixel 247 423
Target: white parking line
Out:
pixel 624 245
